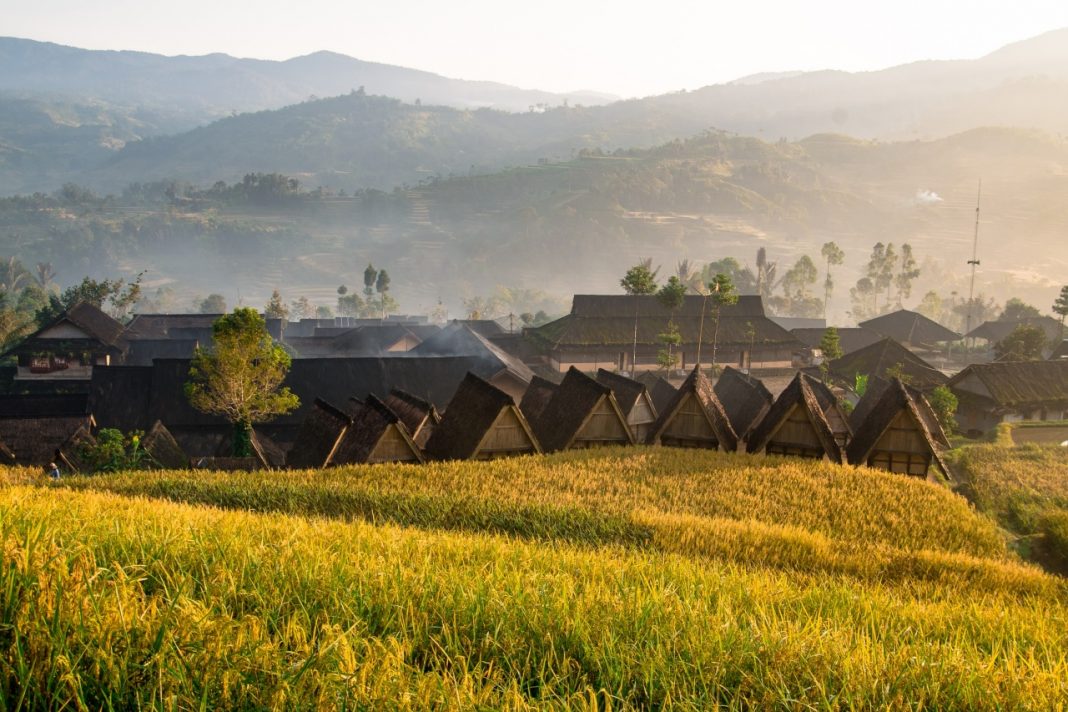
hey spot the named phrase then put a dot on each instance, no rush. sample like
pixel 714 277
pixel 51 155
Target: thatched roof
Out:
pixel 43 405
pixel 371 419
pixel 143 352
pixel 660 389
pixel 898 397
pixel 167 326
pixel 849 338
pixel 34 441
pixel 470 415
pixel 910 327
pixel 608 320
pixel 368 340
pixel 319 436
pixel 536 398
pixel 994 331
pixel 744 398
pixel 460 339
pixel 571 405
pixel 697 384
pixel 164 449
pixel 801 393
pixel 7 457
pixel 626 390
pixel 90 320
pixel 832 408
pixel 887 356
pixel 70 456
pixel 414 412
pixel 1015 384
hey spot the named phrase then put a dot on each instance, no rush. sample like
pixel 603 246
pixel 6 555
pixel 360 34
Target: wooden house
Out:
pixel 660 389
pixel 536 398
pixel 36 440
pixel 1010 391
pixel 164 449
pixel 886 359
pixel 376 435
pixel 70 346
pixel 899 434
pixel 694 418
pixel 599 333
pixel 582 413
pixel 910 328
pixel 419 416
pixel 319 437
pixel 833 411
pixel 796 425
pixel 995 331
pixel 744 398
pixel 481 423
pixel 634 400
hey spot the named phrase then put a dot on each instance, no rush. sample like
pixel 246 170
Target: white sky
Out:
pixel 624 47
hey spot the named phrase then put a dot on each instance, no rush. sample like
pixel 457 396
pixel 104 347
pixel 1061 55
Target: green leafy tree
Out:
pixel 240 376
pixel 276 308
pixel 830 344
pixel 797 299
pixel 1016 309
pixel 834 256
pixel 638 281
pixel 944 404
pixel 1025 343
pixel 370 276
pixel 117 293
pixel 113 451
pixel 213 304
pixel 1060 307
pixel 721 293
pixel 349 304
pixel 672 296
pixel 324 312
pixel 301 308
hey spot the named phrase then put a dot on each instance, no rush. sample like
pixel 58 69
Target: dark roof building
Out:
pixel 68 348
pixel 164 449
pixel 599 333
pixel 500 368
pixel 481 423
pixel 376 435
pixel 319 437
pixel 376 340
pixel 419 416
pixel 796 425
pixel 911 328
pixel 899 434
pixel 634 400
pixel 850 339
pixel 1009 391
pixel 744 398
pixel 35 441
pixel 995 331
pixel 886 359
pixel 694 418
pixel 582 413
pixel 536 398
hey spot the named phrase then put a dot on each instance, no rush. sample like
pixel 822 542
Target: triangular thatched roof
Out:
pixel 319 436
pixel 885 358
pixel 418 415
pixel 70 455
pixel 164 449
pixel 660 389
pixel 626 390
pixel 570 408
pixel 700 389
pixel 372 420
pixel 898 400
pixel 910 327
pixel 800 394
pixel 34 441
pixel 536 398
pixel 470 416
pixel 744 398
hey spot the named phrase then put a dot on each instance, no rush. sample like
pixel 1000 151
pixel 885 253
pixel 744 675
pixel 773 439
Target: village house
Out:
pixel 911 329
pixel 481 422
pixel 1010 391
pixel 599 333
pixel 581 413
pixel 694 418
pixel 886 359
pixel 899 433
pixel 994 331
pixel 634 400
pixel 744 398
pixel 376 435
pixel 419 416
pixel 850 339
pixel 797 425
pixel 67 349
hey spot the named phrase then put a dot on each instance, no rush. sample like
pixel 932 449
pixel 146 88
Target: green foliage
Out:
pixel 1060 306
pixel 673 294
pixel 830 344
pixel 1025 343
pixel 276 308
pixel 115 451
pixel 116 292
pixel 944 404
pixel 1016 309
pixel 240 377
pixel 860 384
pixel 639 279
pixel 370 276
pixel 898 371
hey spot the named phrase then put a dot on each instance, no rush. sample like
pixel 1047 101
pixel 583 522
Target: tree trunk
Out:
pixel 242 439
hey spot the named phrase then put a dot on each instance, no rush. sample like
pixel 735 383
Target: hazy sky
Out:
pixel 624 47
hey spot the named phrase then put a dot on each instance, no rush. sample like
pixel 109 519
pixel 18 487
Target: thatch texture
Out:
pixel 419 416
pixel 70 456
pixel 744 398
pixel 883 359
pixel 537 397
pixel 34 441
pixel 909 327
pixel 694 418
pixel 634 400
pixel 319 436
pixel 1013 385
pixel 897 435
pixel 796 425
pixel 468 426
pixel 581 413
pixel 660 390
pixel 164 449
pixel 376 435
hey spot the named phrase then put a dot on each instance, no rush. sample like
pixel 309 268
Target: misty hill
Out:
pixel 576 225
pixel 218 84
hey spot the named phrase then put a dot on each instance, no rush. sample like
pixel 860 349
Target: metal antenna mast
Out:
pixel 974 261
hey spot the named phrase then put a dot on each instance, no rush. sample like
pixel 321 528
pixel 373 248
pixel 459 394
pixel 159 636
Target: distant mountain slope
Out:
pixel 218 84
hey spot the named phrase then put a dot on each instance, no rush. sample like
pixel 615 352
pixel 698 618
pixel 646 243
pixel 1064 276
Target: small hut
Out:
pixel 634 400
pixel 745 399
pixel 832 408
pixel 164 449
pixel 900 433
pixel 418 415
pixel 481 423
pixel 376 435
pixel 319 437
pixel 537 397
pixel 582 414
pixel 34 441
pixel 70 456
pixel 694 418
pixel 796 425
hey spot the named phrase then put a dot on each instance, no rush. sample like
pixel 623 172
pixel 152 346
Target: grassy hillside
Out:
pixel 641 579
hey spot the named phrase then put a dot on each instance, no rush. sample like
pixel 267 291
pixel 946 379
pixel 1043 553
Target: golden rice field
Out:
pixel 622 579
